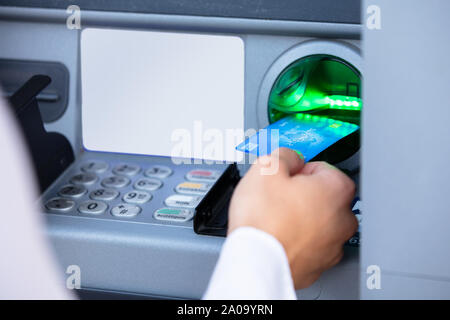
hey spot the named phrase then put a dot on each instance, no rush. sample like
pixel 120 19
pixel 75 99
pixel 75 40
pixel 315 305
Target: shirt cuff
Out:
pixel 252 265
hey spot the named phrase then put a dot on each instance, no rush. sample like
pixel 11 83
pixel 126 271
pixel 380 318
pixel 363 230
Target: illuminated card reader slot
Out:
pixel 320 87
pixel 319 78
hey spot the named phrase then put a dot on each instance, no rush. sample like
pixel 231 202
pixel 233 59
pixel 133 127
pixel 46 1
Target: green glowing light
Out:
pixel 340 127
pixel 290 89
pixel 343 102
pixel 315 83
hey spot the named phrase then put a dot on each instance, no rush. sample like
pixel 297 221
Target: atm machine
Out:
pixel 126 75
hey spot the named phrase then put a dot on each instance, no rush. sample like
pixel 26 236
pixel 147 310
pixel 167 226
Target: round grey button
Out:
pixel 126 169
pixel 115 182
pixel 60 204
pixel 72 191
pixel 84 179
pixel 104 194
pixel 92 207
pixel 136 196
pixel 148 184
pixel 158 171
pixel 125 210
pixel 94 166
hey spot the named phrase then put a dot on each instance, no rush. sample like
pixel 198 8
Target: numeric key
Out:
pixel 159 172
pixel 125 210
pixel 126 169
pixel 92 207
pixel 94 166
pixel 60 205
pixel 104 194
pixel 72 191
pixel 137 197
pixel 148 184
pixel 115 182
pixel 84 179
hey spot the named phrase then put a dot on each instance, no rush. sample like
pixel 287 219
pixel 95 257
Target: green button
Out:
pixel 172 214
pixel 169 211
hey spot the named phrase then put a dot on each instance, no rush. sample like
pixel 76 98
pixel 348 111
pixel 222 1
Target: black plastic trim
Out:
pixel 211 214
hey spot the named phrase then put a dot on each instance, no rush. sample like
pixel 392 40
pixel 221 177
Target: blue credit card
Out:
pixel 305 133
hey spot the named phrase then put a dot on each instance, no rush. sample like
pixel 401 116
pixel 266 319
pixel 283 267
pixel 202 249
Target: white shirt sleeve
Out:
pixel 28 268
pixel 252 265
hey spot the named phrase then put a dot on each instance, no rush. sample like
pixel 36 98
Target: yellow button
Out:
pixel 190 185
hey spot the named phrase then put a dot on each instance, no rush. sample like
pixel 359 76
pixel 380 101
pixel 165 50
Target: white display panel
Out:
pixel 153 92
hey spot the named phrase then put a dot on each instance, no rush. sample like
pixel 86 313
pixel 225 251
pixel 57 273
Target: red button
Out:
pixel 201 173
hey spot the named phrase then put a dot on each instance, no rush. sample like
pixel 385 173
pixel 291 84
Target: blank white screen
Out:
pixel 139 86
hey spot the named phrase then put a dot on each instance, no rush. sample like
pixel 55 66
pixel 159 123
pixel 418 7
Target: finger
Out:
pixel 345 226
pixel 334 179
pixel 290 162
pixel 316 167
pixel 337 258
pixel 304 281
pixel 350 225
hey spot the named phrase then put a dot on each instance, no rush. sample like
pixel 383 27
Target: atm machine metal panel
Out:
pixel 406 141
pixel 41 34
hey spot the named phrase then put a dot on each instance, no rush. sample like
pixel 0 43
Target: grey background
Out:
pixel 406 150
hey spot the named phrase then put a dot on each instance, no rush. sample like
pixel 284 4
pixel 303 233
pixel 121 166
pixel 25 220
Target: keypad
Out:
pixel 142 193
pixel 130 191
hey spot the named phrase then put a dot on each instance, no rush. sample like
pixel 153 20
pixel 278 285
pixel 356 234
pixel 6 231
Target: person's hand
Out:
pixel 305 206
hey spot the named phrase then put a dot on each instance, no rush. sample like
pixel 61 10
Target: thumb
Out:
pixel 290 162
